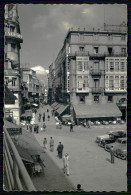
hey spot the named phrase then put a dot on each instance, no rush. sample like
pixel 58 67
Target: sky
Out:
pixel 44 28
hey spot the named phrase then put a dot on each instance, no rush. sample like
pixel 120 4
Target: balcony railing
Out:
pixel 14 35
pixel 96 72
pixel 10 72
pixel 14 88
pixel 97 90
pixel 16 175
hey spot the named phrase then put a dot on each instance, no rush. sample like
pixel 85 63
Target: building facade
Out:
pixel 51 84
pixel 91 68
pixel 13 40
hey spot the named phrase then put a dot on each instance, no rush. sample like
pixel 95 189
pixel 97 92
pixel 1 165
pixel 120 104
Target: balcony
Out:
pixel 14 35
pixel 97 90
pixel 96 72
pixel 14 88
pixel 11 72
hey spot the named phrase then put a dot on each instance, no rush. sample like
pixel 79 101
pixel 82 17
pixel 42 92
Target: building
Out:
pixel 32 88
pixel 91 72
pixel 13 40
pixel 51 83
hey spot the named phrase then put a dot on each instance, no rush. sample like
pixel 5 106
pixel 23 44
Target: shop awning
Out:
pixel 61 109
pixel 97 110
pixel 12 128
pixel 9 96
pixel 54 104
pixel 24 154
pixel 28 113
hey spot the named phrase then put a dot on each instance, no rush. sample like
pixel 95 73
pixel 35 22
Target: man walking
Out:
pixel 45 143
pixel 71 127
pixel 51 144
pixel 112 154
pixel 44 127
pixel 66 164
pixel 60 149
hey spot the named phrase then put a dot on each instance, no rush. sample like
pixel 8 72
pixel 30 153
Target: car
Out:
pixel 121 122
pixel 121 153
pixel 120 142
pixel 97 123
pixel 101 137
pixel 23 123
pixel 120 133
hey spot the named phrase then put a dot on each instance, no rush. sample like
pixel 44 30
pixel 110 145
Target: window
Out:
pixel 111 67
pixel 110 50
pixel 13 47
pixel 81 37
pixel 111 83
pixel 122 66
pixel 85 84
pixel 122 83
pixel 110 38
pixel 116 82
pixel 123 37
pixel 13 81
pixel 123 51
pixel 117 65
pixel 96 50
pixel 85 65
pixel 96 99
pixel 12 28
pixel 110 98
pixel 81 48
pixel 82 99
pixel 96 37
pixel 79 66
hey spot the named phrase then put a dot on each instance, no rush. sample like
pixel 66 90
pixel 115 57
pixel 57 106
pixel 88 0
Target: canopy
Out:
pixel 97 110
pixel 9 96
pixel 61 109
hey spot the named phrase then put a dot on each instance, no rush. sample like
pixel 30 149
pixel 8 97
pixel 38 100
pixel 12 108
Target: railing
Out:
pixel 97 90
pixel 16 174
pixel 96 72
pixel 14 35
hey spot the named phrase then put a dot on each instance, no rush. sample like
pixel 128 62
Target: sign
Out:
pixel 14 131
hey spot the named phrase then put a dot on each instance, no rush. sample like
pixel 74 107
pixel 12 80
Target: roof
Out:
pixel 8 124
pixel 9 96
pixel 62 108
pixel 97 110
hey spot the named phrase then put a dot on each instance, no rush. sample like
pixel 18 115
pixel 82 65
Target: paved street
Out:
pixel 89 164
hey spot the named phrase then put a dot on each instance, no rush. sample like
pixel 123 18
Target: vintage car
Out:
pixel 101 137
pixel 121 153
pixel 121 133
pixel 97 123
pixel 120 142
pixel 121 122
pixel 105 122
pixel 113 136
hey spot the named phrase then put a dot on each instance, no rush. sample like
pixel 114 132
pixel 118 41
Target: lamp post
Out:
pixel 71 106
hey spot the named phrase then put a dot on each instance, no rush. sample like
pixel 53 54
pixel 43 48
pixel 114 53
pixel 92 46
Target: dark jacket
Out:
pixel 60 148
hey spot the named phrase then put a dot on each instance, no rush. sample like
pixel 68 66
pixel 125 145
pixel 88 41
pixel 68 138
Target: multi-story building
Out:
pixel 32 88
pixel 51 83
pixel 13 39
pixel 91 72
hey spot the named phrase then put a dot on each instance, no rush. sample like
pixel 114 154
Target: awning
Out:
pixel 8 124
pixel 24 154
pixel 54 104
pixel 97 110
pixel 57 106
pixel 26 115
pixel 12 128
pixel 9 96
pixel 61 109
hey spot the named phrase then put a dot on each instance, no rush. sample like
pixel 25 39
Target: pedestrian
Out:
pixel 71 127
pixel 79 187
pixel 43 117
pixel 66 164
pixel 88 124
pixel 52 113
pixel 30 128
pixel 44 127
pixel 45 143
pixel 51 144
pixel 40 115
pixel 35 111
pixel 37 129
pixel 112 155
pixel 60 149
pixel 47 110
pixel 48 117
pixel 27 125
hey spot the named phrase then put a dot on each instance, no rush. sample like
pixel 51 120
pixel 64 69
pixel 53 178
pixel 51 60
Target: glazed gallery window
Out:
pixel 110 38
pixel 122 86
pixel 96 37
pixel 111 66
pixel 123 37
pixel 122 66
pixel 82 83
pixel 111 83
pixel 79 66
pixel 116 84
pixel 86 66
pixel 116 65
pixel 123 51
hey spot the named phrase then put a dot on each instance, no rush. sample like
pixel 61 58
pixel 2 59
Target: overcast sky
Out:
pixel 44 27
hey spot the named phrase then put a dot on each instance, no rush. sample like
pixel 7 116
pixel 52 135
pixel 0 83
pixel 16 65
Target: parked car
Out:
pixel 121 153
pixel 23 123
pixel 113 136
pixel 121 122
pixel 120 142
pixel 101 137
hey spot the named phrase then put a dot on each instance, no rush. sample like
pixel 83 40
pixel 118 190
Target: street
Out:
pixel 89 164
